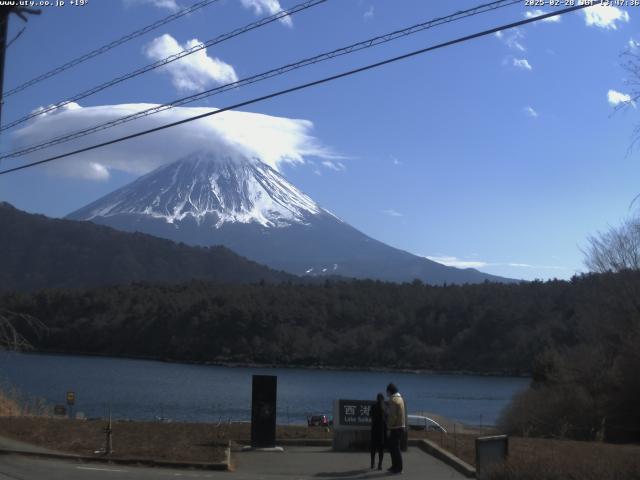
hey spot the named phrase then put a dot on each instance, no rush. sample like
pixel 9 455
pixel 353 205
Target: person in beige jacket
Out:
pixel 396 423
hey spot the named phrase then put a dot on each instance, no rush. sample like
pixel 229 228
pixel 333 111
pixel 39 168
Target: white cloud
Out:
pixel 522 63
pixel 604 16
pixel 537 13
pixel 56 109
pixel 616 98
pixel 167 4
pixel 451 261
pixel 191 73
pixel 334 165
pixel 392 213
pixel 274 140
pixel 527 265
pixel 368 15
pixel 395 160
pixel 512 39
pixel 633 44
pixel 515 45
pixel 271 7
pixel 95 171
pixel 530 111
pixel 458 263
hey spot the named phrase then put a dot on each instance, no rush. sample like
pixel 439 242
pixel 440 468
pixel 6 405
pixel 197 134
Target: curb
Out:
pixel 431 448
pixel 295 442
pixel 222 466
pixel 308 442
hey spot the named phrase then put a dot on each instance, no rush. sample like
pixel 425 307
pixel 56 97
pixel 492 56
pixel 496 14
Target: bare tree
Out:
pixel 631 65
pixel 10 337
pixel 616 249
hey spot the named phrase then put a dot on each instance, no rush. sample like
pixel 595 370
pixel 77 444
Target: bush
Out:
pixel 555 412
pixel 8 406
pixel 13 404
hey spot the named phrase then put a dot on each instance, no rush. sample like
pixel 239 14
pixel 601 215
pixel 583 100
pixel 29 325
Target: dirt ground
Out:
pixel 200 442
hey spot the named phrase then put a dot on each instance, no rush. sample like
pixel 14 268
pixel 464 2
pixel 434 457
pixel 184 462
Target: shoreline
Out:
pixel 414 371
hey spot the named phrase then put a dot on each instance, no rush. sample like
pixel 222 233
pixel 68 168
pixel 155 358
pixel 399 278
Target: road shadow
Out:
pixel 352 474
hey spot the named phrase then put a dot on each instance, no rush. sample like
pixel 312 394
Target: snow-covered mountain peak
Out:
pixel 206 186
pixel 245 205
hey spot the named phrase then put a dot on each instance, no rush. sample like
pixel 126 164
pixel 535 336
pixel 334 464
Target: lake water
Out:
pixel 144 390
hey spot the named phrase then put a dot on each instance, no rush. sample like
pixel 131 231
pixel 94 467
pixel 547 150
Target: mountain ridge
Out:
pixel 245 205
pixel 41 252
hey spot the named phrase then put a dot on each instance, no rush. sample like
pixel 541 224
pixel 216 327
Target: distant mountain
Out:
pixel 40 252
pixel 247 206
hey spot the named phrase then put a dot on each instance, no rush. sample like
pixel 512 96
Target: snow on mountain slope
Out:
pixel 230 190
pixel 250 208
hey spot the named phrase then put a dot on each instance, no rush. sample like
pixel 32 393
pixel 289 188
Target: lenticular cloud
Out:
pixel 232 134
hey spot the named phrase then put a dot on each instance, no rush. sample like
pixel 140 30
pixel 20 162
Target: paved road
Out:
pixel 28 468
pixel 322 463
pixel 11 444
pixel 295 463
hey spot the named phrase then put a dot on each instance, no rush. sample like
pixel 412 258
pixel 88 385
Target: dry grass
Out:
pixel 8 406
pixel 13 405
pixel 143 440
pixel 543 459
pixel 462 446
pixel 549 459
pixel 197 442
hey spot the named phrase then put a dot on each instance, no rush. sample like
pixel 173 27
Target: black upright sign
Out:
pixel 263 411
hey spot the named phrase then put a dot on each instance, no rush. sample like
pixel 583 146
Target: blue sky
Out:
pixel 501 153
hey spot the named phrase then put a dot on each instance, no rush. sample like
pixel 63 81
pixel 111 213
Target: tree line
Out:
pixel 485 328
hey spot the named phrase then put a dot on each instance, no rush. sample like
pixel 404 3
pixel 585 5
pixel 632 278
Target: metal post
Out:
pixel 109 431
pixel 455 440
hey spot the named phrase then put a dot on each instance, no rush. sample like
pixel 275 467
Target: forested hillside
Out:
pixel 482 328
pixel 40 252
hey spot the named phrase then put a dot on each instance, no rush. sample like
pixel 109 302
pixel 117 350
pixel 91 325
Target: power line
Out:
pixel 302 86
pixel 109 46
pixel 172 58
pixel 15 37
pixel 369 43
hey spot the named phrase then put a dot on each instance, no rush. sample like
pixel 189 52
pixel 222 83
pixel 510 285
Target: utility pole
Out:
pixel 4 28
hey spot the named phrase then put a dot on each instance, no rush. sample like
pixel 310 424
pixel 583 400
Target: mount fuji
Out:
pixel 247 206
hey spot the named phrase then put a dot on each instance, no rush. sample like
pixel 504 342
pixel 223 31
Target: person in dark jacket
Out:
pixel 378 430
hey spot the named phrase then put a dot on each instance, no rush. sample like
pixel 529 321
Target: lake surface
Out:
pixel 144 390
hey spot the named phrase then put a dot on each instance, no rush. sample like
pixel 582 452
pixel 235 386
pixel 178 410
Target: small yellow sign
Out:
pixel 71 398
